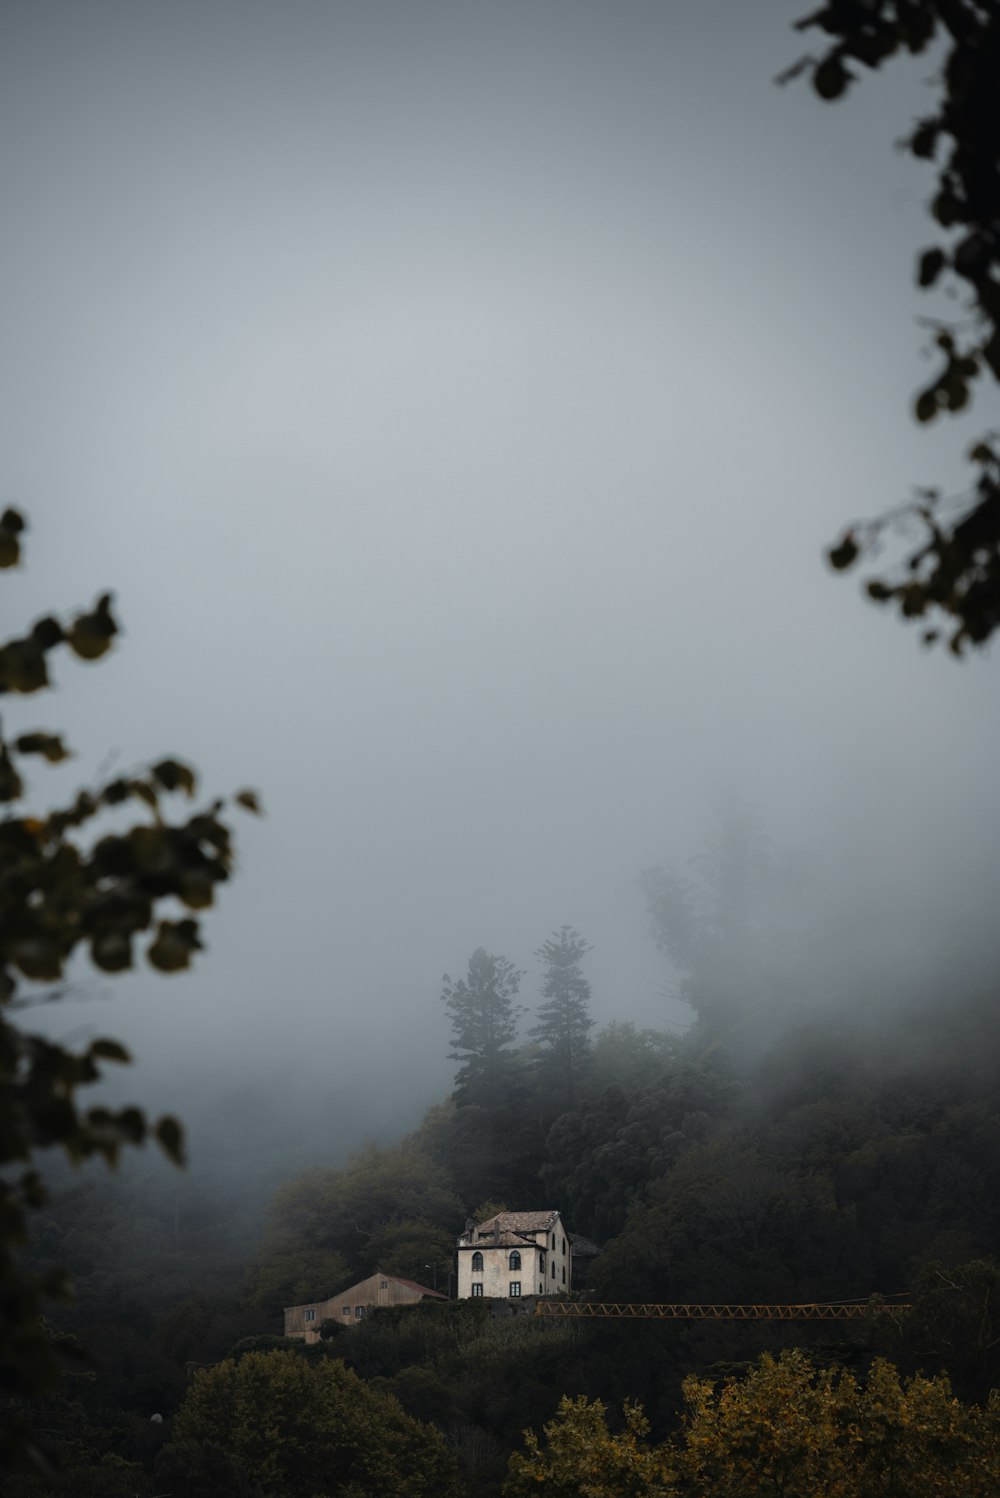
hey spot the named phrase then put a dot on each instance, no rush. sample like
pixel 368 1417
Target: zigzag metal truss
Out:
pixel 811 1311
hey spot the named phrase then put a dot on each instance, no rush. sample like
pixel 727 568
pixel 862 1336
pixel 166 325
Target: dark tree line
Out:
pixel 829 1162
pixel 836 1162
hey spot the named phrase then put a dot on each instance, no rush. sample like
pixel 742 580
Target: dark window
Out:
pixel 310 1315
pixel 347 1310
pixel 553 1269
pixel 359 1311
pixel 477 1263
pixel 515 1289
pixel 384 1284
pixel 564 1245
pixel 477 1290
pixel 541 1289
pixel 553 1242
pixel 514 1262
pixel 564 1274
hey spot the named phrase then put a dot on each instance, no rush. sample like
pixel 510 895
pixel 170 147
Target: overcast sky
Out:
pixel 458 396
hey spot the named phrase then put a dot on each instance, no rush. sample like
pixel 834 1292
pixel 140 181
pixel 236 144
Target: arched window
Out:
pixel 515 1259
pixel 477 1263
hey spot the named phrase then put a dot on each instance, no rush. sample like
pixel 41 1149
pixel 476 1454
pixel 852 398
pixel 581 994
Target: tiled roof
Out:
pixel 518 1222
pixel 504 1240
pixel 412 1285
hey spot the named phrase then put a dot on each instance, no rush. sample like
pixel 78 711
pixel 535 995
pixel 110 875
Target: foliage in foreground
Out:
pixel 787 1429
pixel 63 894
pixel 275 1423
pixel 953 572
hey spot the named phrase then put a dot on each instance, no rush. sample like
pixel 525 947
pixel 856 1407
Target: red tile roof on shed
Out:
pixel 412 1285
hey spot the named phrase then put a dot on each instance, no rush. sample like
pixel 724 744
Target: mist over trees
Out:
pixel 484 1024
pixel 388 1208
pixel 564 1021
pixel 778 1149
pixel 828 1160
pixel 711 925
pixel 823 1127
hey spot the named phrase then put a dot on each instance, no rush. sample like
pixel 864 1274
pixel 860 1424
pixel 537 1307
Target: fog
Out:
pixel 458 398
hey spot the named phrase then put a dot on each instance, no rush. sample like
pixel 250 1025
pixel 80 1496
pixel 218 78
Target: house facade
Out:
pixel 515 1254
pixel 351 1305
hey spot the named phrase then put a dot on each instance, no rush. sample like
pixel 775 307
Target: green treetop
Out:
pixel 564 1022
pixel 484 1020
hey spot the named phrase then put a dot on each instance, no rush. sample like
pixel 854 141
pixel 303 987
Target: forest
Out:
pixel 824 1126
pixel 753 1158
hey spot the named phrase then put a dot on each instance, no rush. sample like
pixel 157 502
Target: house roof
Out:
pixel 413 1285
pixel 500 1240
pixel 349 1292
pixel 518 1222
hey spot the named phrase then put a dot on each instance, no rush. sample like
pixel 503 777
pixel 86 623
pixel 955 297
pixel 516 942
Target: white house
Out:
pixel 514 1254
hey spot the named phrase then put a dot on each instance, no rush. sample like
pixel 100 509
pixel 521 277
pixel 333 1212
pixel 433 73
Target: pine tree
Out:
pixel 564 1016
pixel 483 1025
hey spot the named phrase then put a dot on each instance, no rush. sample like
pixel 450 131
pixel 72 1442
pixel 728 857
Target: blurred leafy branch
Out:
pixel 952 571
pixel 62 892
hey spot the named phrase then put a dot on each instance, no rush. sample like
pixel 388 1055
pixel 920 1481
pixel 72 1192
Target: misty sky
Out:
pixel 458 396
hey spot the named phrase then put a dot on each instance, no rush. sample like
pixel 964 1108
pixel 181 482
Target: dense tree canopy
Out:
pixel 274 1425
pixel 813 1163
pixel 390 1208
pixel 837 1164
pixel 785 1429
pixel 582 1458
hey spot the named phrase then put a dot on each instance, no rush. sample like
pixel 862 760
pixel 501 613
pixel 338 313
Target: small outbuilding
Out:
pixel 351 1305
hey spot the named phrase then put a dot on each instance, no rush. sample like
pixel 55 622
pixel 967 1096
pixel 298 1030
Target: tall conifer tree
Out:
pixel 483 1025
pixel 564 1019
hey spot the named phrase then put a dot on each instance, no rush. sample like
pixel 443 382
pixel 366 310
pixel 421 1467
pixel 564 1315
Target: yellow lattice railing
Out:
pixel 720 1311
